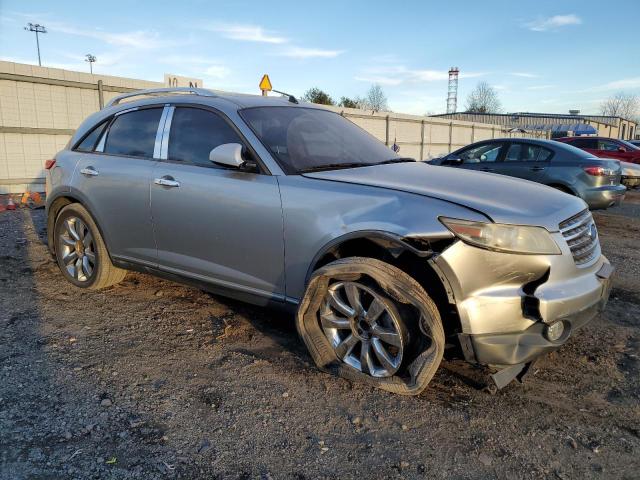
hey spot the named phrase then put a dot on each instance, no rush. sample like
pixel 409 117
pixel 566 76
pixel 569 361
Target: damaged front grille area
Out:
pixel 581 236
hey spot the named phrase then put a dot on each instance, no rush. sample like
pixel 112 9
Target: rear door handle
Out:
pixel 89 171
pixel 536 169
pixel 487 169
pixel 166 181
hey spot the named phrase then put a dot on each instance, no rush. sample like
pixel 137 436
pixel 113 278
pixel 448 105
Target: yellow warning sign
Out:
pixel 265 83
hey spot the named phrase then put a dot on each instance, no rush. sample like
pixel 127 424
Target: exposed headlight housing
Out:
pixel 503 238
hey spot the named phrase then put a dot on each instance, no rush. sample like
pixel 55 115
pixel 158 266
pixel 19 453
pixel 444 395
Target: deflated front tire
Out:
pixel 366 320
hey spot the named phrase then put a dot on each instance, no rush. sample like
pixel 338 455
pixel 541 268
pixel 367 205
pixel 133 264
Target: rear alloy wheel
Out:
pixel 80 251
pixel 366 320
pixel 364 328
pixel 77 249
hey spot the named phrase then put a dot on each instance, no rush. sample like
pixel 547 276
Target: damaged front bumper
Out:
pixel 508 302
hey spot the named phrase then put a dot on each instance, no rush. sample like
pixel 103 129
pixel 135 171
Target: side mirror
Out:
pixel 230 155
pixel 227 154
pixel 454 161
pixel 622 149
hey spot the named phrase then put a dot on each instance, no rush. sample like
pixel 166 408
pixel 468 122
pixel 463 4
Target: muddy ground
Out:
pixel 150 379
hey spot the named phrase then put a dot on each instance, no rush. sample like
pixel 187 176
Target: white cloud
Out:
pixel 553 23
pixel 623 84
pixel 540 87
pixel 301 52
pixel 247 33
pixel 399 74
pixel 217 71
pixel 524 74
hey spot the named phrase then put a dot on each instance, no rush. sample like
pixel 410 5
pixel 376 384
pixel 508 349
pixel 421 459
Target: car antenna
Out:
pixel 292 99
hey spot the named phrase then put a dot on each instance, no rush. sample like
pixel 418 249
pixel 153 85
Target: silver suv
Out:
pixel 384 259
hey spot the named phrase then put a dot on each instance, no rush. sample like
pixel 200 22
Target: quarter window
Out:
pixel 90 141
pixel 134 133
pixel 195 132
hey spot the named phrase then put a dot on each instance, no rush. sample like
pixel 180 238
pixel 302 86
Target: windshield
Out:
pixel 630 145
pixel 310 139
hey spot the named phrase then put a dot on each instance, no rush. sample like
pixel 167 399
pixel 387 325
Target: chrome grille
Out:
pixel 581 236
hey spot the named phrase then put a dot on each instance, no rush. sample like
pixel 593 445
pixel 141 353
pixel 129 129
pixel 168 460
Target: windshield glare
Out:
pixel 307 139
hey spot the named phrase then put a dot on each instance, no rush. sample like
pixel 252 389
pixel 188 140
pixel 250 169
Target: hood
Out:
pixel 503 199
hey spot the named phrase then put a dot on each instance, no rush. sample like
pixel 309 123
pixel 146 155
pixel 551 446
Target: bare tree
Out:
pixel 625 105
pixel 375 100
pixel 483 99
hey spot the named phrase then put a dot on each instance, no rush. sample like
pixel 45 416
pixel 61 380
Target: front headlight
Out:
pixel 503 238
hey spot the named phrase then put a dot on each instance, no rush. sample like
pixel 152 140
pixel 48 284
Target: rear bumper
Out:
pixel 604 197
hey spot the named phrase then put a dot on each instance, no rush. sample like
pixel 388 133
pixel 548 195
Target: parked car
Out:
pixel 630 175
pixel 382 258
pixel 566 168
pixel 605 147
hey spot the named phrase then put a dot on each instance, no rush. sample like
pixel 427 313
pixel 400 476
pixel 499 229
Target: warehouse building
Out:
pixel 559 125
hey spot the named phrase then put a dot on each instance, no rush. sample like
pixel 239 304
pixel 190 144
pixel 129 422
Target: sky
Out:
pixel 540 56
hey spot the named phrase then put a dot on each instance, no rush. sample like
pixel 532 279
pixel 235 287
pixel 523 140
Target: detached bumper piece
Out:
pixel 514 352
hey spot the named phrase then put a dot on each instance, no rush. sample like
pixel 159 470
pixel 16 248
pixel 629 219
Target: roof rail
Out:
pixel 159 92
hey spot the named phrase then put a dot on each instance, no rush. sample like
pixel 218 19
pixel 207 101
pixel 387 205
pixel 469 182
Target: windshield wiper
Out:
pixel 397 160
pixel 335 166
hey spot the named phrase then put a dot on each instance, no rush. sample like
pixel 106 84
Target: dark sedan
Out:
pixel 559 165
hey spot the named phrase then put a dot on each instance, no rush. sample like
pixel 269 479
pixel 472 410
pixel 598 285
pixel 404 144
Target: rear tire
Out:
pixel 80 250
pixel 366 320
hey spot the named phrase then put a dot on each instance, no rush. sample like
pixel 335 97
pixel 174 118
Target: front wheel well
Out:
pixel 407 260
pixel 562 188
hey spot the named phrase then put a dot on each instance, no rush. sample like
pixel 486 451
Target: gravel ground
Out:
pixel 150 379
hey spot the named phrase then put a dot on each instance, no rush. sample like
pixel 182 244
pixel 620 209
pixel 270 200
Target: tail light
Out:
pixel 48 165
pixel 599 171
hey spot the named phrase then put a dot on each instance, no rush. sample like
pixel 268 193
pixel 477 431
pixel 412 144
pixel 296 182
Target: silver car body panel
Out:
pixel 503 199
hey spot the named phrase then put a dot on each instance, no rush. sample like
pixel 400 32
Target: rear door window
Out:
pixel 522 152
pixel 195 132
pixel 608 145
pixel 134 133
pixel 591 143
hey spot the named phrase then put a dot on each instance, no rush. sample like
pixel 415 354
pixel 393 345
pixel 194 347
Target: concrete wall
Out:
pixel 425 137
pixel 612 127
pixel 40 108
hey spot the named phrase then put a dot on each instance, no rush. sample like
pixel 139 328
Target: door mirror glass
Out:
pixel 227 154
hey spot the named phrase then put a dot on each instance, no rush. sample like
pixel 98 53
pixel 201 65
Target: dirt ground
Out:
pixel 150 379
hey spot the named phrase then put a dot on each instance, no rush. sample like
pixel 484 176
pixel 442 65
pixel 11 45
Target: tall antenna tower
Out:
pixel 452 97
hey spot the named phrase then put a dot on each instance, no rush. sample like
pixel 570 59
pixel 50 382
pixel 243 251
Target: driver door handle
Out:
pixel 89 171
pixel 536 169
pixel 487 169
pixel 166 181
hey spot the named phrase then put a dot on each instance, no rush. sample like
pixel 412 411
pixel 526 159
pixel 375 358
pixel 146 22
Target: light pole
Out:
pixel 91 59
pixel 37 28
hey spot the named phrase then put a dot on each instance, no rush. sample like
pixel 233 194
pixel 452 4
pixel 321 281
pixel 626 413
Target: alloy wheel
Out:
pixel 77 249
pixel 364 328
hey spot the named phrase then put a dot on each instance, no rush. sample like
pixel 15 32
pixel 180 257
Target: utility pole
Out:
pixel 37 28
pixel 91 59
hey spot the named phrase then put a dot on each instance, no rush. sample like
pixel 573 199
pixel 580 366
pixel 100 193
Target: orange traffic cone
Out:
pixel 11 205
